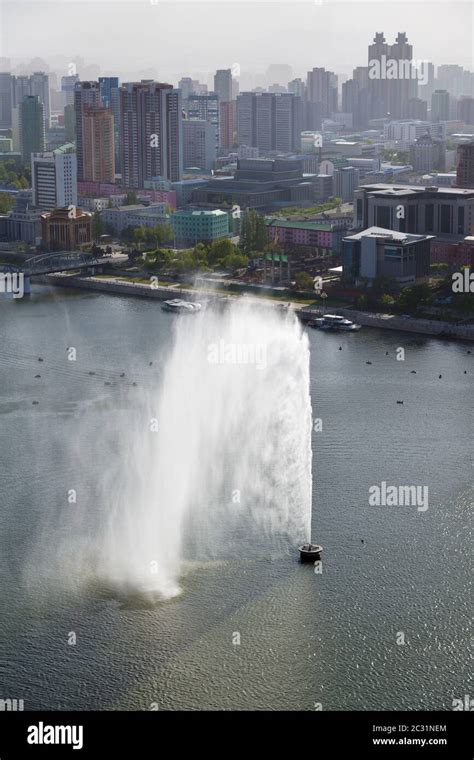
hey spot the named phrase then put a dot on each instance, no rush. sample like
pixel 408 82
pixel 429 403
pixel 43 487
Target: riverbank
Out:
pixel 162 293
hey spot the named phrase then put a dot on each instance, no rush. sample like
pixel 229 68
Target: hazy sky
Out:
pixel 176 38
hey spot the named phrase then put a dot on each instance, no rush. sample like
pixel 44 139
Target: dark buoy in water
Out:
pixel 399 402
pixel 36 376
pixel 413 372
pixel 340 348
pixel 310 552
pixel 439 378
pixel 40 359
pixel 368 362
pixel 122 374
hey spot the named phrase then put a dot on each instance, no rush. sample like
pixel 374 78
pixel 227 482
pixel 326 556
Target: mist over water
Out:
pixel 212 461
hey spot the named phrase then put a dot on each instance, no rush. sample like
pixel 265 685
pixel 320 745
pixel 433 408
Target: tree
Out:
pixel 246 232
pixel 97 226
pixel 220 249
pixel 261 233
pixel 387 300
pixel 304 281
pixel 235 261
pixel 139 234
pixel 131 198
pixel 6 203
pixel 418 294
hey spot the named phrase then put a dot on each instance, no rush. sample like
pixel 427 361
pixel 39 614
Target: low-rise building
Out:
pixel 378 252
pixel 66 229
pixel 199 226
pixel 321 236
pixel 441 211
pixel 454 254
pixel 135 215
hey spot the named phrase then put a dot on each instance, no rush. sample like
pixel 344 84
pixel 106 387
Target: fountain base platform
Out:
pixel 310 552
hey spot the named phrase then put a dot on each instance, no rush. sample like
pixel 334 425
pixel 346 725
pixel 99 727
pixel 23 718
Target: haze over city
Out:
pixel 169 39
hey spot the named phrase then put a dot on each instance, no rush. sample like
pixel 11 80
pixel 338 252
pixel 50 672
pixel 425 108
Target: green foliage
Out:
pixel 419 294
pixel 131 198
pixel 7 202
pixel 304 281
pixel 97 226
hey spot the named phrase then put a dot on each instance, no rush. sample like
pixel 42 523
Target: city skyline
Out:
pixel 138 45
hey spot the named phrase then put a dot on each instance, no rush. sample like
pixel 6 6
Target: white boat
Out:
pixel 179 306
pixel 334 322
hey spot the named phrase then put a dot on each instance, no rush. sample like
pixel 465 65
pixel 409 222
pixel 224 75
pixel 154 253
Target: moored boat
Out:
pixel 334 322
pixel 179 306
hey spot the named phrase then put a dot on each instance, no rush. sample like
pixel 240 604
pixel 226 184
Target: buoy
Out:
pixel 310 552
pixel 413 372
pixel 40 359
pixel 439 378
pixel 123 374
pixel 37 376
pixel 399 402
pixel 368 362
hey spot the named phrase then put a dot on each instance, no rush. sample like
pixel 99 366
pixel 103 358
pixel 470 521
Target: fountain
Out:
pixel 212 462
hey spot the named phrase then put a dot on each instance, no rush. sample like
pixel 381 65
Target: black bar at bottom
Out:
pixel 146 734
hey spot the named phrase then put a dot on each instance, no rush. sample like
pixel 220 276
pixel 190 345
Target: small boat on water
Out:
pixel 334 322
pixel 179 306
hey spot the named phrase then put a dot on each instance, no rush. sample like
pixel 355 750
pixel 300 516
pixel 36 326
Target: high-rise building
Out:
pixel 186 85
pixel 31 127
pixel 32 84
pixel 39 85
pixel 151 132
pixel 54 178
pixel 297 87
pixel 6 100
pixel 269 121
pixel 346 181
pixel 86 95
pixel 392 79
pixel 199 144
pixel 427 154
pixel 110 96
pixel 227 125
pixel 68 84
pixel 465 165
pixel 70 123
pixel 98 145
pixel 205 107
pixel 417 109
pixel 223 85
pixel 321 88
pixel 440 106
pixel 466 110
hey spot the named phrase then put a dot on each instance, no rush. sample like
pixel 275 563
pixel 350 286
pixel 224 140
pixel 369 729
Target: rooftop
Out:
pixel 397 237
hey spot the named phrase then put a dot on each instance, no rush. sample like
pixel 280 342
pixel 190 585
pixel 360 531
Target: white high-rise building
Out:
pixel 54 178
